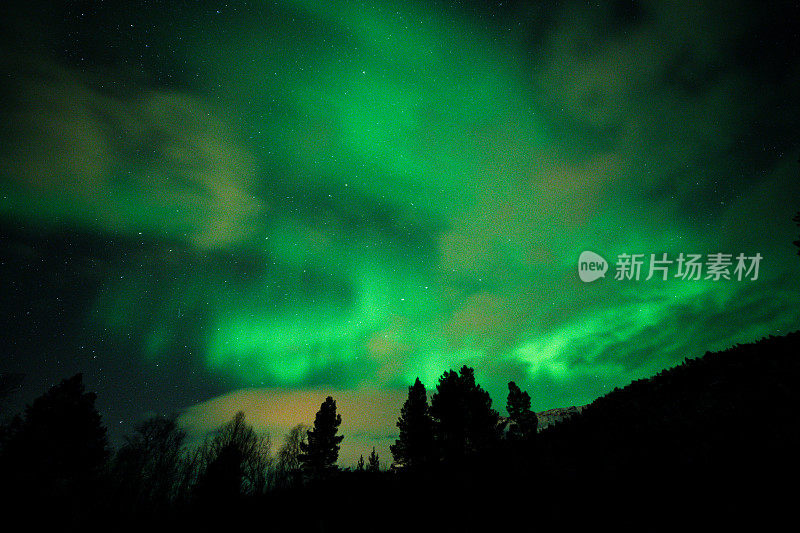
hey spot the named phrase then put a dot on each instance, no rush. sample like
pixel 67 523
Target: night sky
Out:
pixel 213 206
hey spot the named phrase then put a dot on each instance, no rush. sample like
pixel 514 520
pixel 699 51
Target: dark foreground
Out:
pixel 710 445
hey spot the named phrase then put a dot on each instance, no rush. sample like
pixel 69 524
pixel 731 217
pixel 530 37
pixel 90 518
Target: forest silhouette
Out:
pixel 705 444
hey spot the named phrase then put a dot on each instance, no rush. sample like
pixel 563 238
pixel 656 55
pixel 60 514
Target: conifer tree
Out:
pixel 320 452
pixel 374 461
pixel 464 421
pixel 59 440
pixel 524 422
pixel 414 446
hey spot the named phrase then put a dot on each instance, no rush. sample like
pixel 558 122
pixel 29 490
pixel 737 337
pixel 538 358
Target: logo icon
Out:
pixel 591 266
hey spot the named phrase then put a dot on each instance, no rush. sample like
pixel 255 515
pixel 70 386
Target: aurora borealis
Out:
pixel 276 198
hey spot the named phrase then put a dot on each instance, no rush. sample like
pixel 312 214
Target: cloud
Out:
pixel 141 160
pixel 368 415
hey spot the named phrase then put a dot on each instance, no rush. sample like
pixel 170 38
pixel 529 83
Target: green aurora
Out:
pixel 298 194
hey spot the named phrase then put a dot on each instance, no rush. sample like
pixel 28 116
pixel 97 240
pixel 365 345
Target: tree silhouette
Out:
pixel 147 467
pixel 289 453
pixel 524 422
pixel 464 421
pixel 289 464
pixel 54 456
pixel 222 480
pixel 374 464
pixel 60 440
pixel 235 461
pixel 320 452
pixel 414 446
pixel 360 464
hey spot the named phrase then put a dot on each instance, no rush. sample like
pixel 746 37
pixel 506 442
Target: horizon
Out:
pixel 203 420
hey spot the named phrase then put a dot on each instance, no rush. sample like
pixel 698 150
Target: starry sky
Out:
pixel 207 207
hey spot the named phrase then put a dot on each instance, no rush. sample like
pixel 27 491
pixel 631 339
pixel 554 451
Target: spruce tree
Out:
pixel 53 458
pixel 320 452
pixel 60 439
pixel 524 422
pixel 464 421
pixel 414 446
pixel 374 461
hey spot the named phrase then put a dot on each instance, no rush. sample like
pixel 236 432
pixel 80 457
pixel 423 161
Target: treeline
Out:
pixel 57 451
pixel 59 441
pixel 702 444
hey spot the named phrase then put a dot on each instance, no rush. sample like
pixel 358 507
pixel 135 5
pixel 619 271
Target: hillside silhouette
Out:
pixel 714 438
